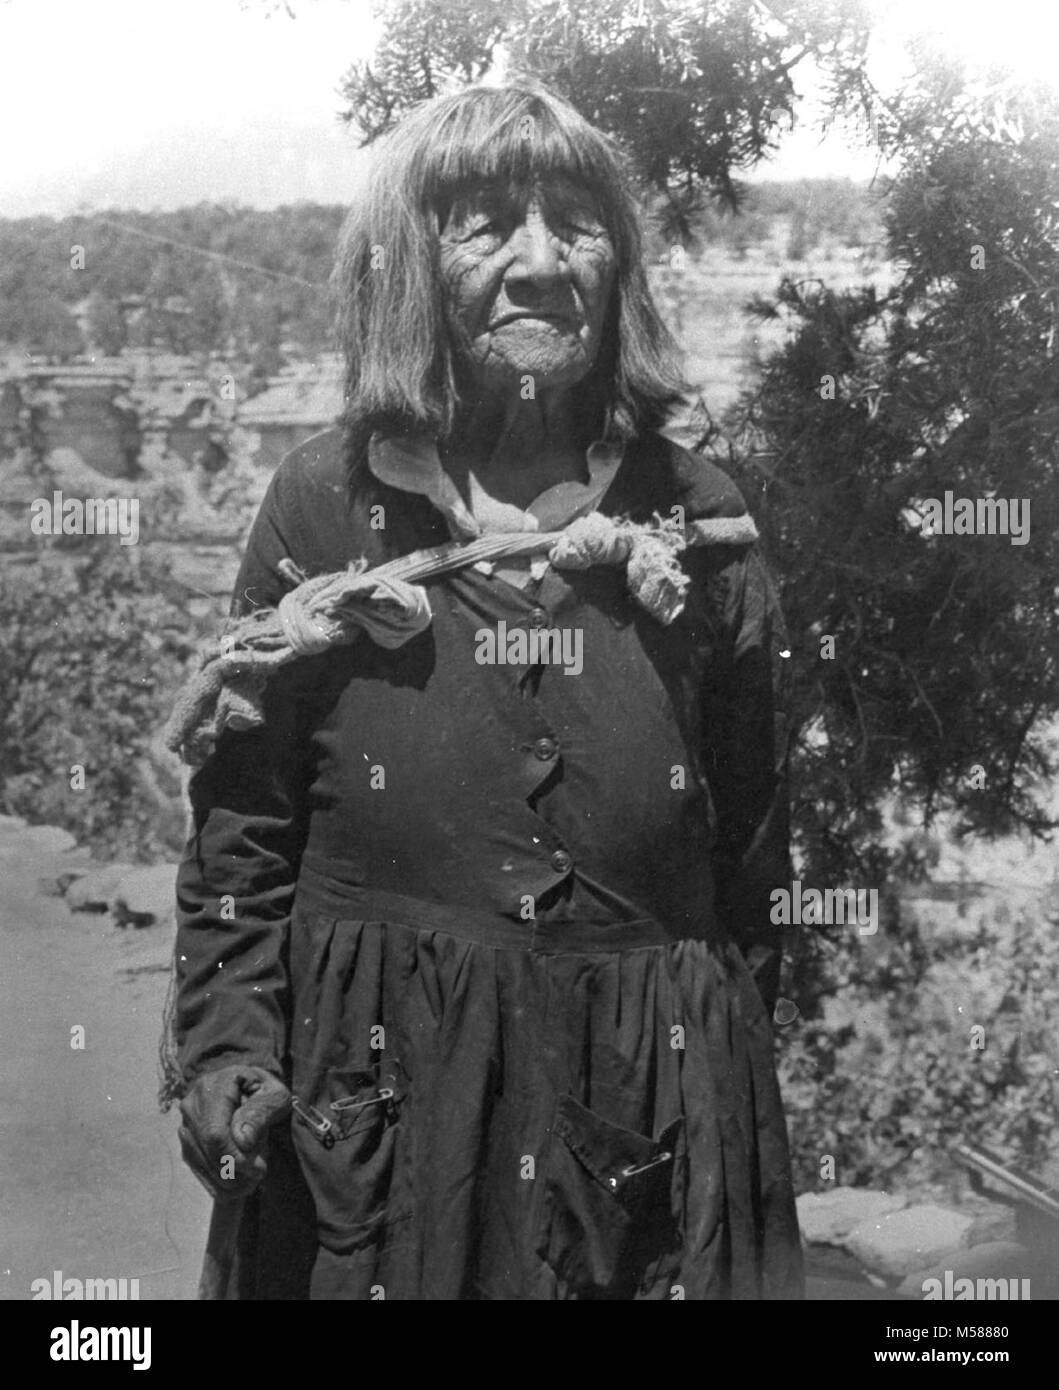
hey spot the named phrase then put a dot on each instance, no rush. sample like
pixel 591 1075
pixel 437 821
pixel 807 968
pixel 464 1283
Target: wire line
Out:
pixel 201 251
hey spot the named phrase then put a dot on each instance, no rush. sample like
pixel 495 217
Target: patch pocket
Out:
pixel 610 1202
pixel 348 1138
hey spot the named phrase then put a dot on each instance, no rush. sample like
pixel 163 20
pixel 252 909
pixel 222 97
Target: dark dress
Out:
pixel 504 930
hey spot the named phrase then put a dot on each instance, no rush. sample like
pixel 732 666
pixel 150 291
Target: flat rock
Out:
pixel 901 1242
pixel 145 896
pixel 93 891
pixel 9 824
pixel 45 839
pixel 827 1217
pixel 998 1259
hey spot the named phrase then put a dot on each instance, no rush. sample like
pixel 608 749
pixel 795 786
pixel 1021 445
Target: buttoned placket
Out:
pixel 539 748
pixel 413 464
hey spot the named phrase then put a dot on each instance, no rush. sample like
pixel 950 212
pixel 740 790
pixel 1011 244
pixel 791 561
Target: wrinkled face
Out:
pixel 527 286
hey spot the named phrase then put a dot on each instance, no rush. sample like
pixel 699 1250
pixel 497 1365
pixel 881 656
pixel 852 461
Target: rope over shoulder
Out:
pixel 333 609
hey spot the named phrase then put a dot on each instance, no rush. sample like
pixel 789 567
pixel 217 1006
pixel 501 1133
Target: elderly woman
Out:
pixel 475 965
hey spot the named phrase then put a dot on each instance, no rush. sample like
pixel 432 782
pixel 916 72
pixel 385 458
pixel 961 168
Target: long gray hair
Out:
pixel 400 372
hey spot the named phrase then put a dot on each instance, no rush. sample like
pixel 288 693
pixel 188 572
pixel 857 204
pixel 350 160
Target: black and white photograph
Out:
pixel 529 662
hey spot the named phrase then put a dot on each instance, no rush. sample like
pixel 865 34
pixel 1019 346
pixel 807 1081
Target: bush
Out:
pixel 938 680
pixel 93 650
pixel 885 1073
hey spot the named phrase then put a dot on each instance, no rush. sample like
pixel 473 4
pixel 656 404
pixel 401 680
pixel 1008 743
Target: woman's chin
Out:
pixel 533 373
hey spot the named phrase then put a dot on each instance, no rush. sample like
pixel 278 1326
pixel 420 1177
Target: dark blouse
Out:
pixel 646 789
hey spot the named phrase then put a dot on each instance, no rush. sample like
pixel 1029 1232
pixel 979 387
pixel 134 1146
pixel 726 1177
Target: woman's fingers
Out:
pixel 269 1102
pixel 226 1114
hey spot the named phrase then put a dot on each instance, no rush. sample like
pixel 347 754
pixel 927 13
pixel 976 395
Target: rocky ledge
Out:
pixel 135 895
pixel 922 1249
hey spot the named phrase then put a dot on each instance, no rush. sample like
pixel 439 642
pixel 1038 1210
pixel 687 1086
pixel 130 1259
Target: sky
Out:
pixel 161 103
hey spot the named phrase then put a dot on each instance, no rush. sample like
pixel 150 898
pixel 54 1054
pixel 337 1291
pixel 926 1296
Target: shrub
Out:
pixel 93 649
pixel 940 680
pixel 885 1072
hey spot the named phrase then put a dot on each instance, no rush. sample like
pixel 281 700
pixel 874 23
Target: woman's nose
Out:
pixel 537 256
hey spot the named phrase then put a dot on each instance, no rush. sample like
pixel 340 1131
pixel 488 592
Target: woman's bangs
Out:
pixel 516 146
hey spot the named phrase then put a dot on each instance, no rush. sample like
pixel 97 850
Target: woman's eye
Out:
pixel 487 227
pixel 580 225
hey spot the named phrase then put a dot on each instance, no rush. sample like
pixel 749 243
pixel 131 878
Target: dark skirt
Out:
pixel 494 1111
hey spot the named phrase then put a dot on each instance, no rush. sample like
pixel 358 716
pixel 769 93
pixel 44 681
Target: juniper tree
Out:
pixel 946 647
pixel 694 92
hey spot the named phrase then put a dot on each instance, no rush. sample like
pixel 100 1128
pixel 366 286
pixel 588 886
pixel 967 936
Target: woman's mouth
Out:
pixel 532 315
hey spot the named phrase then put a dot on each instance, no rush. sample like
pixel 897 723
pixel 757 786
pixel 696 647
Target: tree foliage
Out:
pixel 887 1071
pixel 93 649
pixel 694 92
pixel 946 647
pixel 207 279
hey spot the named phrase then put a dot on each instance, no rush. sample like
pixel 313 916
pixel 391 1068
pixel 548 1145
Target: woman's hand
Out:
pixel 226 1116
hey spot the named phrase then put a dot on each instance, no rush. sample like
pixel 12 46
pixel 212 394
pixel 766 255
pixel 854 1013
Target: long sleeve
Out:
pixel 235 885
pixel 746 726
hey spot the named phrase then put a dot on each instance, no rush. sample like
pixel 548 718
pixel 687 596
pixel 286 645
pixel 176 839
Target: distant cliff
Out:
pixel 180 437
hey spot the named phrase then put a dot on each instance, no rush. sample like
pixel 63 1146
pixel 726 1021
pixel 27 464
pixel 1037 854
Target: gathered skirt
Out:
pixel 493 1111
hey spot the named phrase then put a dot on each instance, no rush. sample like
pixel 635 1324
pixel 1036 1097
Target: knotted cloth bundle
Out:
pixel 333 609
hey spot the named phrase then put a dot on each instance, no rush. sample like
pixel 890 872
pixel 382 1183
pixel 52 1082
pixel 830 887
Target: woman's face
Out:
pixel 527 288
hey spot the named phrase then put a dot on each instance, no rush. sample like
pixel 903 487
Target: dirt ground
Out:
pixel 92 1182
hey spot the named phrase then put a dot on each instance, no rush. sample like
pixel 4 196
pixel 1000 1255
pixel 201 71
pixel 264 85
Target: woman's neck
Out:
pixel 518 448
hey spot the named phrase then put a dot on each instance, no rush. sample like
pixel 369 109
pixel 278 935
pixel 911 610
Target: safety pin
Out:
pixel 632 1171
pixel 320 1125
pixel 340 1107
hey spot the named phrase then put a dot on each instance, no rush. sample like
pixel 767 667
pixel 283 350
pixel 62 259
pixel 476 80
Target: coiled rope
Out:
pixel 386 603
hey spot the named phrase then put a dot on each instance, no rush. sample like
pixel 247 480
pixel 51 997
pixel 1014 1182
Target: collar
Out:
pixel 411 463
